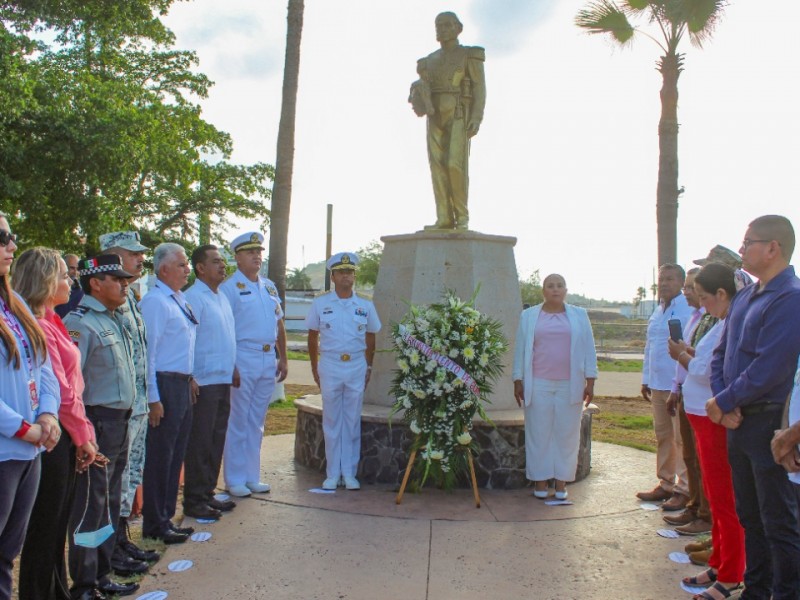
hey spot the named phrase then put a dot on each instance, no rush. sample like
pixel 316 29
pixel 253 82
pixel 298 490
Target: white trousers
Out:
pixel 552 432
pixel 342 386
pixel 249 404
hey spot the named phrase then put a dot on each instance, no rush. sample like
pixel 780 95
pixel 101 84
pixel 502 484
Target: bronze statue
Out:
pixel 451 92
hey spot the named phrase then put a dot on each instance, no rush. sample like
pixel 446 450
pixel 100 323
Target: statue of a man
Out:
pixel 451 91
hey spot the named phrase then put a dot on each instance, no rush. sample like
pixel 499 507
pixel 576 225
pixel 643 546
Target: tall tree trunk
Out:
pixel 284 158
pixel 667 193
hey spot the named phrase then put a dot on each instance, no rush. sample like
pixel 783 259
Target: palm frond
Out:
pixel 701 18
pixel 604 16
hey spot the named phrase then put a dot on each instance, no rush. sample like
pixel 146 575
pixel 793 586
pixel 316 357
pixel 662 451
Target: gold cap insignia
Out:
pixel 254 238
pixel 346 259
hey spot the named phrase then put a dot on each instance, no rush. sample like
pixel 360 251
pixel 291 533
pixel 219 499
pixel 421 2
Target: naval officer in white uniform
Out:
pixel 341 345
pixel 259 333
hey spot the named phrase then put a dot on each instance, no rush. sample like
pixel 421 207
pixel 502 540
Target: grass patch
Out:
pixel 625 422
pixel 625 365
pixel 282 416
pixel 294 355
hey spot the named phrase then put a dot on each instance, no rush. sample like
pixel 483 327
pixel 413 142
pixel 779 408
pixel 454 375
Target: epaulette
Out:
pixel 79 310
pixel 476 52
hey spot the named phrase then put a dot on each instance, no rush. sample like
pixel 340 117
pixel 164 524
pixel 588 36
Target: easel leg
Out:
pixel 409 466
pixel 474 480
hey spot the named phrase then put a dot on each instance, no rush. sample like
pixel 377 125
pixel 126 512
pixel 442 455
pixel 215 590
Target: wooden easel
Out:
pixel 410 466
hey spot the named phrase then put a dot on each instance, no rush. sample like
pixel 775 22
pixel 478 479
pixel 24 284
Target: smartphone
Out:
pixel 675 330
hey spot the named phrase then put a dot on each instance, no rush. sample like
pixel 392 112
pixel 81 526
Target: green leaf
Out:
pixel 603 16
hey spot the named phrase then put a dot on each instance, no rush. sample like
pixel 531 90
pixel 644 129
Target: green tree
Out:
pixel 531 289
pixel 107 135
pixel 671 21
pixel 369 263
pixel 284 157
pixel 298 279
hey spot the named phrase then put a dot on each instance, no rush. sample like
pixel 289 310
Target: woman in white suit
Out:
pixel 555 367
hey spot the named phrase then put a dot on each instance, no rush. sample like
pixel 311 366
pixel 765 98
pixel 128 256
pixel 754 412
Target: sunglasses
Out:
pixel 6 237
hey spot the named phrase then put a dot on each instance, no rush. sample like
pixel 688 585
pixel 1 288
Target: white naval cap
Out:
pixel 248 241
pixel 342 261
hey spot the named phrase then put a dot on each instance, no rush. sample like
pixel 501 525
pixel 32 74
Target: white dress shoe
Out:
pixel 330 483
pixel 351 483
pixel 540 493
pixel 258 487
pixel 561 495
pixel 240 491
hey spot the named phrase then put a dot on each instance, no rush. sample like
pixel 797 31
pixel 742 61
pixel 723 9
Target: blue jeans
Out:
pixel 767 507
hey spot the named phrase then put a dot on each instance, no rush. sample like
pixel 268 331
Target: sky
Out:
pixel 567 155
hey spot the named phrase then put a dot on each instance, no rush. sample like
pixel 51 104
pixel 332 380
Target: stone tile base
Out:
pixel 499 464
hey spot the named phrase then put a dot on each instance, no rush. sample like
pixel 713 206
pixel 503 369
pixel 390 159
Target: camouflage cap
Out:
pixel 721 254
pixel 127 240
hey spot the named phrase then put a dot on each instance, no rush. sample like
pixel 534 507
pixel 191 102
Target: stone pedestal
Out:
pixel 417 268
pixel 499 464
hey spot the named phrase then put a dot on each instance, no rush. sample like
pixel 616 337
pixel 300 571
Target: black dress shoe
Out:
pixel 120 589
pixel 172 537
pixel 132 550
pixel 92 594
pixel 222 505
pixel 184 530
pixel 124 565
pixel 203 511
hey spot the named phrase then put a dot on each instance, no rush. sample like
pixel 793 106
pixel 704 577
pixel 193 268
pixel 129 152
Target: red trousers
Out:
pixel 727 535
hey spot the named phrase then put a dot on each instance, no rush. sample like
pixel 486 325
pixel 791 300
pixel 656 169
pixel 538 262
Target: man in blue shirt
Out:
pixel 751 375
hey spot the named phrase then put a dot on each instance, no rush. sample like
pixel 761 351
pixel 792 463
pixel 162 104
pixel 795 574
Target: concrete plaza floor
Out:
pixel 361 545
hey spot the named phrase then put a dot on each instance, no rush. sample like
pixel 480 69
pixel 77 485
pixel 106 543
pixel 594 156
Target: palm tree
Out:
pixel 284 157
pixel 672 20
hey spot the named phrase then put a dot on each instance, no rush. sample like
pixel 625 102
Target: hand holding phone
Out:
pixel 675 329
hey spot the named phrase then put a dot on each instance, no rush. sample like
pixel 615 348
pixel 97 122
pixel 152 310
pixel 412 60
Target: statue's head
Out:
pixel 448 27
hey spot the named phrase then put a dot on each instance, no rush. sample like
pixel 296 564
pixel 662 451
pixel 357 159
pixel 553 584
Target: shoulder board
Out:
pixel 476 52
pixel 79 310
pixel 74 334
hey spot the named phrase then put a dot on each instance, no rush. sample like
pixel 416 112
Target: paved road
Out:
pixel 626 385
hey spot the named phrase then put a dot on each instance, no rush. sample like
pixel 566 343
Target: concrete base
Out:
pixel 500 463
pixel 418 268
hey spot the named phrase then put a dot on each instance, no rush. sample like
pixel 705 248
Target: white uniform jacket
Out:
pixel 582 356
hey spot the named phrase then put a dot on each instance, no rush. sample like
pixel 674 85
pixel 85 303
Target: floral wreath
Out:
pixel 448 357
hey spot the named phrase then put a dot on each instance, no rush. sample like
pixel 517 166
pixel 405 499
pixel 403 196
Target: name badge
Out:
pixel 34 395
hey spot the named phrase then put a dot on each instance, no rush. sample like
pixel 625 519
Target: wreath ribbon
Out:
pixel 443 361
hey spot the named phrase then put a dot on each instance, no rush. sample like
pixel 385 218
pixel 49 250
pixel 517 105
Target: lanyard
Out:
pixel 187 311
pixel 13 324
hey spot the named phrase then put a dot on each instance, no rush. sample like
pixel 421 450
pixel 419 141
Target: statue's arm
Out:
pixel 476 56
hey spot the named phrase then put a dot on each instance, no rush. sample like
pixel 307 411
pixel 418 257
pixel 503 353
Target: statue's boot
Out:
pixel 439 225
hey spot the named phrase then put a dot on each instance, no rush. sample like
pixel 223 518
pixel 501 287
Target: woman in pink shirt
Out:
pixel 40 277
pixel 555 367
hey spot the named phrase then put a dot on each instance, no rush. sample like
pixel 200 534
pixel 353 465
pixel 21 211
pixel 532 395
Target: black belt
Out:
pixel 174 375
pixel 761 407
pixel 113 414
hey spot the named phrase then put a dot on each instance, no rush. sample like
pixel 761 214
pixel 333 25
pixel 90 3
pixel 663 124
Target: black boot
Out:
pixel 125 544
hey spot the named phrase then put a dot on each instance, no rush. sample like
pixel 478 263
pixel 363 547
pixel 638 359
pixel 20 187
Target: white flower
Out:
pixel 430 366
pixel 414 358
pixel 465 404
pixel 419 394
pixel 422 325
pixel 465 439
pixel 453 353
pixel 483 360
pixel 455 336
pixel 402 364
pixel 414 427
pixel 469 353
pixel 437 454
pixel 406 402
